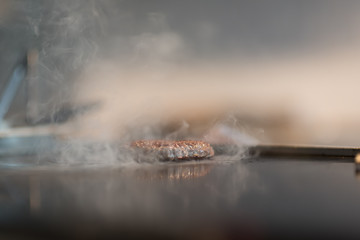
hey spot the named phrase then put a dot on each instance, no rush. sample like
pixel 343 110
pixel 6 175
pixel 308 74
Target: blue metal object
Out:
pixel 11 89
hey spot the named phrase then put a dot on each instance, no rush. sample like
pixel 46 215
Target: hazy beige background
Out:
pixel 288 71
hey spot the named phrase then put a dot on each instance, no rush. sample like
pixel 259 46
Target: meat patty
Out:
pixel 174 150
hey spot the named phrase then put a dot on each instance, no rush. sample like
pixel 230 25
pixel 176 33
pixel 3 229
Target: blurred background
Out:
pixel 282 72
pixel 80 80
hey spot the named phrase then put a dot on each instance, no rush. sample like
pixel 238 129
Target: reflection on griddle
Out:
pixel 136 197
pixel 176 173
pixel 147 190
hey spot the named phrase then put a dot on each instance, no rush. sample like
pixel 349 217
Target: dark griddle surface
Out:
pixel 258 197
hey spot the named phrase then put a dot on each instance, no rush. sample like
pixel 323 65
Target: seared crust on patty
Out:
pixel 175 150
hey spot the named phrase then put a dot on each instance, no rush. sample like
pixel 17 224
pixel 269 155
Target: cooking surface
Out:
pixel 258 197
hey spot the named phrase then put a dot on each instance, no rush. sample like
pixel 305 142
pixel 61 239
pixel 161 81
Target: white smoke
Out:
pixel 137 79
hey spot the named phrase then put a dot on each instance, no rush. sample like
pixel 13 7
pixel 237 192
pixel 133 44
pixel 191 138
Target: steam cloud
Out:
pixel 87 55
pixel 149 78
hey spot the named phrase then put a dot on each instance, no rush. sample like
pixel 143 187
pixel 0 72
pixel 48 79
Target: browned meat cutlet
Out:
pixel 174 150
